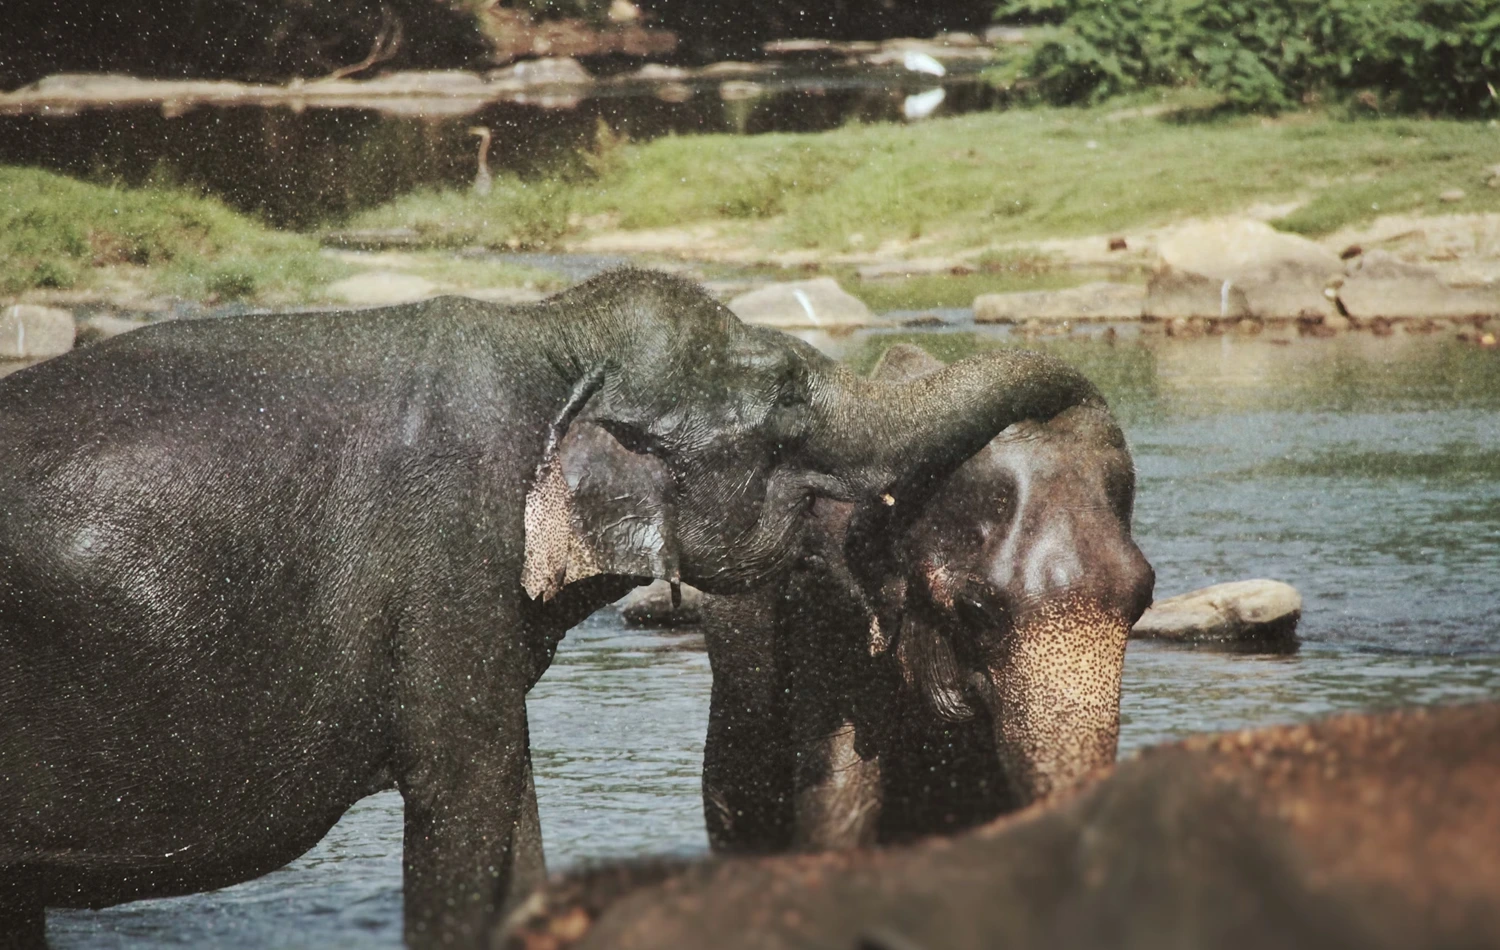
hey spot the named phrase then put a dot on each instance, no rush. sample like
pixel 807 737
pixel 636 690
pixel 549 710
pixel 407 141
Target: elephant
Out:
pixel 1366 830
pixel 253 568
pixel 1019 583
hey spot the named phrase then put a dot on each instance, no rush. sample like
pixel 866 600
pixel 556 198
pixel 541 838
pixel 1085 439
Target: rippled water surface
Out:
pixel 1365 471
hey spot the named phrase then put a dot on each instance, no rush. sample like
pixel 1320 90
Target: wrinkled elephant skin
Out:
pixel 1015 588
pixel 1362 831
pixel 253 568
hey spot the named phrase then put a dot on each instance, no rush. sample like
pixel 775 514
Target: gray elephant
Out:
pixel 253 568
pixel 1016 586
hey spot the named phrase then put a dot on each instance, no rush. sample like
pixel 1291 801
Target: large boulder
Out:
pixel 102 326
pixel 1256 615
pixel 1381 285
pixel 651 606
pixel 379 288
pixel 819 304
pixel 31 332
pixel 1363 831
pixel 1215 268
pixel 1097 301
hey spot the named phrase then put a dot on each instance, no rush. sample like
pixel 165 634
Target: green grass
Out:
pixel 515 214
pixel 56 232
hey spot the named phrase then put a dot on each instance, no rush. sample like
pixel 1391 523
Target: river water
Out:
pixel 1365 471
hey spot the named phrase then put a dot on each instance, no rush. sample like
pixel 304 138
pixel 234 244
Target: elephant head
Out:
pixel 1013 591
pixel 724 433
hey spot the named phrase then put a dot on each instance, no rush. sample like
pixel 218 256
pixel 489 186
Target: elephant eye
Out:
pixel 791 395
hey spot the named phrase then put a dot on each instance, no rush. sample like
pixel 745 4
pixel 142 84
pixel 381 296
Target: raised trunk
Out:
pixel 901 438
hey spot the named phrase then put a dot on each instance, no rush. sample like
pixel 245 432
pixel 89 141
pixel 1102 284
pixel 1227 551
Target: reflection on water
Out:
pixel 303 168
pixel 1361 470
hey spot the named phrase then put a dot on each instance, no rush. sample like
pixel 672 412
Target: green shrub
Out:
pixel 1267 55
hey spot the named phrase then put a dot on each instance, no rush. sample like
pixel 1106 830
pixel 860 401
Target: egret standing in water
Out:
pixel 482 178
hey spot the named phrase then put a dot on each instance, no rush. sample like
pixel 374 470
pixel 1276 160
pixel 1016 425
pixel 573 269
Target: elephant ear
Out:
pixel 929 666
pixel 597 505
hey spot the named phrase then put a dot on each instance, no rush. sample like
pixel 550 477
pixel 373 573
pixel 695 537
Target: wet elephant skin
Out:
pixel 1362 831
pixel 1017 584
pixel 252 567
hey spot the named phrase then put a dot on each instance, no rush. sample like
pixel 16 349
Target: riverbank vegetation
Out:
pixel 1413 56
pixel 983 179
pixel 64 234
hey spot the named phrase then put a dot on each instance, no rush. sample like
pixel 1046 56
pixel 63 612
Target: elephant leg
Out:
pixel 530 870
pixel 23 918
pixel 462 761
pixel 747 776
pixel 459 847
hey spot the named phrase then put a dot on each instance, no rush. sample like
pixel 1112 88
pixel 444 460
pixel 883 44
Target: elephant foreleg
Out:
pixel 747 776
pixel 23 919
pixel 531 861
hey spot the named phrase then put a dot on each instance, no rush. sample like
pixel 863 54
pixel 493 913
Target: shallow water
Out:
pixel 1365 471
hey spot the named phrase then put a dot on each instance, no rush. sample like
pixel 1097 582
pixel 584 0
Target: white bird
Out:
pixel 482 178
pixel 922 104
pixel 922 63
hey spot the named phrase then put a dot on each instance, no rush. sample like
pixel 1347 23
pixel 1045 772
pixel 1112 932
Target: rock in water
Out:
pixel 30 332
pixel 819 303
pixel 1256 615
pixel 651 606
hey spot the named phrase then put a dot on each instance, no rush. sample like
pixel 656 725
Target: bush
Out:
pixel 1269 55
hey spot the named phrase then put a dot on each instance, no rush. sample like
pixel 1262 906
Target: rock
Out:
pixel 102 326
pixel 555 71
pixel 1177 295
pixel 382 287
pixel 1100 300
pixel 1277 275
pixel 1378 831
pixel 819 303
pixel 1452 195
pixel 656 72
pixel 1259 615
pixel 1007 36
pixel 1381 285
pixel 651 606
pixel 31 332
pixel 739 90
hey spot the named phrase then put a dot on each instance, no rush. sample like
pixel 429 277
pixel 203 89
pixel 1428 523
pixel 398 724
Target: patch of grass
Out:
pixel 56 232
pixel 983 179
pixel 515 214
pixel 952 290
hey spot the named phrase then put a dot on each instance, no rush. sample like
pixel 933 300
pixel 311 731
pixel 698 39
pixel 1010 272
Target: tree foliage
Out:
pixel 1438 56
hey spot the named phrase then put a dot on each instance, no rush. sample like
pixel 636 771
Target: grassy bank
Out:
pixel 977 180
pixel 59 233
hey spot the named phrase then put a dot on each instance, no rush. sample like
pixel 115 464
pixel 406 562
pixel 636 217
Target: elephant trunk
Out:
pixel 903 438
pixel 1055 697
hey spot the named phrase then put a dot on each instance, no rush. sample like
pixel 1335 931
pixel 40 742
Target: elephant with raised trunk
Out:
pixel 253 568
pixel 1015 585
